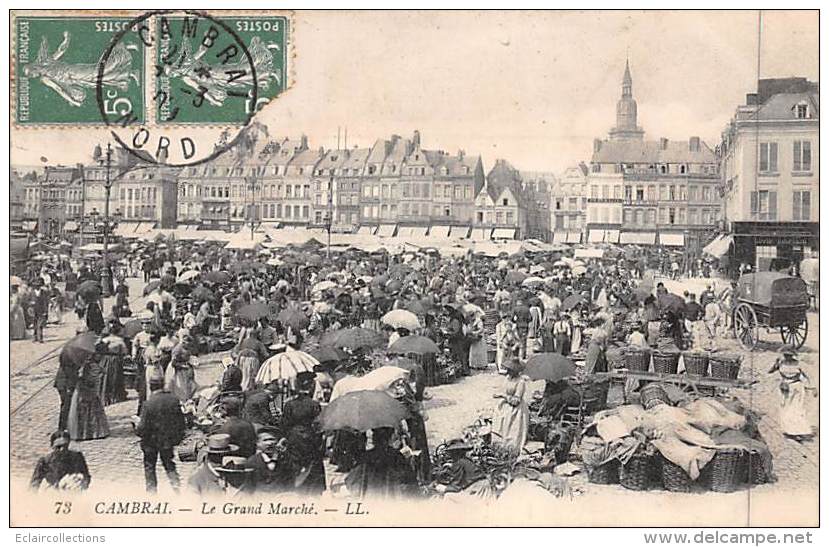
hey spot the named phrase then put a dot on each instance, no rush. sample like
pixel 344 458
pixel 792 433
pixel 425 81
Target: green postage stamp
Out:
pixel 57 69
pixel 160 68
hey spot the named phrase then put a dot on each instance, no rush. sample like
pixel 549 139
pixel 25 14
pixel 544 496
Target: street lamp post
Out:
pixel 105 275
pixel 329 216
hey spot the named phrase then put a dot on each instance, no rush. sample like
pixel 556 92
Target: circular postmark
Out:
pixel 201 87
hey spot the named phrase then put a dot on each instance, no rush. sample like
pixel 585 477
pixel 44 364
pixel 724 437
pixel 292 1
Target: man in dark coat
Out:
pixel 40 309
pixel 242 433
pixel 271 469
pixel 258 408
pixel 161 428
pixel 66 379
pixel 60 463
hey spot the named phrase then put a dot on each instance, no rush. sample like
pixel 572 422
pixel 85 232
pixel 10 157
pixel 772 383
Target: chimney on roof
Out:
pixel 303 142
pixel 461 154
pixel 597 145
pixel 416 139
pixel 693 144
pixel 751 99
pixel 663 143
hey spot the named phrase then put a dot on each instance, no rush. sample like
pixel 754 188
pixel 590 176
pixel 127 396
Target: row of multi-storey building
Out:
pixel 759 186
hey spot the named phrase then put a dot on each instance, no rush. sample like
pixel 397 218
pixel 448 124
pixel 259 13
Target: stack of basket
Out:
pixel 652 395
pixel 637 359
pixel 665 362
pixel 725 366
pixel 725 471
pixel 696 363
pixel 674 478
pixel 638 472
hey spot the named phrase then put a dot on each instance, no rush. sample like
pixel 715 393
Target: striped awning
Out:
pixel 574 237
pixel 459 231
pixel 595 236
pixel 439 231
pixel 480 234
pixel 560 237
pixel 503 233
pixel 672 240
pixel 386 230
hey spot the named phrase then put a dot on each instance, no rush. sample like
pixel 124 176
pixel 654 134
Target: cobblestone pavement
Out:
pixel 451 408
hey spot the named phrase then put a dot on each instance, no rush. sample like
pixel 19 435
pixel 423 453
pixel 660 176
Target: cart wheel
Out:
pixel 746 329
pixel 795 335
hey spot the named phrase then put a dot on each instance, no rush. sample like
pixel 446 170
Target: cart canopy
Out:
pixel 772 289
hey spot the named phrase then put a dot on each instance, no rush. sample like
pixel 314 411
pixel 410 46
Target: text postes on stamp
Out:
pixel 58 60
pixel 217 71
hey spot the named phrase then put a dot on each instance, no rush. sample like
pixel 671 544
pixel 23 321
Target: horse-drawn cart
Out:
pixel 771 300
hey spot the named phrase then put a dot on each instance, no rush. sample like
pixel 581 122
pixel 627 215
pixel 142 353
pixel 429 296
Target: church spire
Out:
pixel 626 111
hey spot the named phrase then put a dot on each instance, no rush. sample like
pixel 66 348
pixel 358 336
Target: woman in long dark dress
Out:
pixel 87 419
pixel 305 442
pixel 383 471
pixel 94 318
pixel 113 349
pixel 416 426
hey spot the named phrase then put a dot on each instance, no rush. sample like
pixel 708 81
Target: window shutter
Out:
pixel 806 206
pixel 764 156
pixel 807 156
pixel 796 165
pixel 753 203
pixel 772 205
pixel 773 157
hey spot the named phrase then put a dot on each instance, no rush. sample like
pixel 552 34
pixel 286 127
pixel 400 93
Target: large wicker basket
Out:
pixel 637 359
pixel 753 471
pixel 665 362
pixel 725 366
pixel 696 363
pixel 607 473
pixel 725 471
pixel 653 394
pixel 674 478
pixel 636 474
pixel 616 358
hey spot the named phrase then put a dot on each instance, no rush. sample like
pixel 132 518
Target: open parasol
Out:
pixel 549 366
pixel 362 411
pixel 579 270
pixel 253 311
pixel 188 275
pixel 670 302
pixel 151 286
pixel 401 319
pixel 572 301
pixel 202 293
pixel 328 354
pixel 293 317
pixel 472 309
pixel 285 366
pixel 323 286
pixel 89 290
pixel 533 281
pixel 131 328
pixel 516 277
pixel 79 348
pixel 419 345
pixel 353 338
pixel 217 277
pixel 383 377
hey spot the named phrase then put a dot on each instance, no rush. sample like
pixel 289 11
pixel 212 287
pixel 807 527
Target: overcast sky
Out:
pixel 532 87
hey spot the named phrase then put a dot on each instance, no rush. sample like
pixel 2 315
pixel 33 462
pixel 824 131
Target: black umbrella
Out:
pixel 78 349
pixel 89 290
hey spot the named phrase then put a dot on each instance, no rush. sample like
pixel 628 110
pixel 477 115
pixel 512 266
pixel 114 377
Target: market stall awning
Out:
pixel 589 253
pixel 480 234
pixel 672 240
pixel 29 225
pixel 611 236
pixel 573 237
pixel 459 231
pixel 144 227
pixel 503 233
pixel 595 236
pixel 367 230
pixel 719 247
pixel 440 231
pixel 98 247
pixel 386 230
pixel 70 226
pixel 412 231
pixel 560 237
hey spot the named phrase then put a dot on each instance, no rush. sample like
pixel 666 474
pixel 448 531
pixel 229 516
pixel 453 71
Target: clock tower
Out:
pixel 626 128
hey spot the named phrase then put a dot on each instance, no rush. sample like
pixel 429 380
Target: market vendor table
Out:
pixel 684 380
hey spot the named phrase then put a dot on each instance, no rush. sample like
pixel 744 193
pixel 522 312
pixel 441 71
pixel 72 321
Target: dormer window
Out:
pixel 801 111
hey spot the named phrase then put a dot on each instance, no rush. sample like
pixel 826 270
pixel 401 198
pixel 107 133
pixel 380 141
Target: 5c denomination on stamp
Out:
pixel 57 61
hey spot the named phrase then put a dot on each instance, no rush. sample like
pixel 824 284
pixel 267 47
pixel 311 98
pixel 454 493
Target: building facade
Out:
pixel 568 202
pixel 651 191
pixel 769 161
pixel 499 205
pixel 150 194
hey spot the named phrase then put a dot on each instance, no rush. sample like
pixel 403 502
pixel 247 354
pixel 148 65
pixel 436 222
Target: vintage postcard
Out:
pixel 414 268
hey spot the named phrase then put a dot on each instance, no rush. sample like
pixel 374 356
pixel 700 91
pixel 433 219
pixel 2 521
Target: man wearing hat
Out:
pixel 305 444
pixel 259 405
pixel 208 478
pixel 242 433
pixel 62 468
pixel 462 471
pixel 161 428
